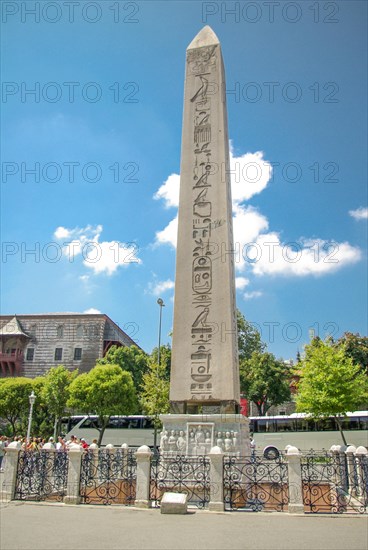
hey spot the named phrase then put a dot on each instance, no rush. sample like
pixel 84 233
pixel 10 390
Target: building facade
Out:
pixel 31 344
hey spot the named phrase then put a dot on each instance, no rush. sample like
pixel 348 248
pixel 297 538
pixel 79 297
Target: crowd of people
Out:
pixel 38 443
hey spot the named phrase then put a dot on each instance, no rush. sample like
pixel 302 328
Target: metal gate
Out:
pixel 335 482
pixel 181 474
pixel 254 484
pixel 41 475
pixel 108 476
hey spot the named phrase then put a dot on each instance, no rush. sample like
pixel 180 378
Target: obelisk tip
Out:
pixel 205 37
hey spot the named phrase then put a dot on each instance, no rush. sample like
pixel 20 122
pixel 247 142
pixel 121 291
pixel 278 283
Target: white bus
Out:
pixel 299 430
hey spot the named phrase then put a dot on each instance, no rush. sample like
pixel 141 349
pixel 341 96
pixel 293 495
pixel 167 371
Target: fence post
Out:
pixel 143 457
pixel 216 457
pixel 361 456
pixel 296 505
pixel 351 469
pixel 10 471
pixel 75 454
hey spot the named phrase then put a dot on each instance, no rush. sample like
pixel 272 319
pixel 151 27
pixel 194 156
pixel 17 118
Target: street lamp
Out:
pixel 161 304
pixel 32 399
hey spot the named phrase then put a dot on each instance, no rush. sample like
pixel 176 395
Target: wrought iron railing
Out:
pixel 108 476
pixel 253 483
pixel 171 472
pixel 41 475
pixel 334 482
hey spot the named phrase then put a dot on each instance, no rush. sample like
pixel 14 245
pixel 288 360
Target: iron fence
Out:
pixel 334 482
pixel 180 474
pixel 253 483
pixel 108 476
pixel 41 475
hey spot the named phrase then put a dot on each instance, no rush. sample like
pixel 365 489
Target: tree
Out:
pixel 131 359
pixel 356 347
pixel 106 390
pixel 330 383
pixel 14 400
pixel 55 392
pixel 264 380
pixel 165 358
pixel 249 338
pixel 154 396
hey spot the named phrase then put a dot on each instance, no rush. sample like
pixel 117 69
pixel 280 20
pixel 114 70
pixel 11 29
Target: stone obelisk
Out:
pixel 204 388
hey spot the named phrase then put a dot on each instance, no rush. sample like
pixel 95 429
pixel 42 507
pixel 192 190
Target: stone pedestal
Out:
pixel 143 456
pixel 196 434
pixel 10 471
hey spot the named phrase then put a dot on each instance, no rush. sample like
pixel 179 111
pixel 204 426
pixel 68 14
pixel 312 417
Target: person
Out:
pixel 252 446
pixel 60 445
pixel 2 450
pixel 84 443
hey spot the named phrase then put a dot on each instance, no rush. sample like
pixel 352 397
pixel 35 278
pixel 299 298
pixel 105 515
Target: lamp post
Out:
pixel 161 304
pixel 32 399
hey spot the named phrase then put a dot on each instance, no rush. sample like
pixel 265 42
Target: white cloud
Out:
pixel 359 214
pixel 92 310
pixel 250 174
pixel 258 250
pixel 61 233
pixel 101 257
pixel 253 294
pixel 169 191
pixel 169 235
pixel 241 282
pixel 160 287
pixel 270 256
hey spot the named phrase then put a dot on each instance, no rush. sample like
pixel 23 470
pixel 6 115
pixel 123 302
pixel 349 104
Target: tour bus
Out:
pixel 271 433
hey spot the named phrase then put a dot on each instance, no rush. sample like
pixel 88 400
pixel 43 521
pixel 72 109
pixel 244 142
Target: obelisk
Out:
pixel 204 383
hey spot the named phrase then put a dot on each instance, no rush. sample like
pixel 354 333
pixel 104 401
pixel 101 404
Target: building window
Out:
pixel 30 354
pixel 60 331
pixel 79 331
pixel 58 354
pixel 77 354
pixel 33 333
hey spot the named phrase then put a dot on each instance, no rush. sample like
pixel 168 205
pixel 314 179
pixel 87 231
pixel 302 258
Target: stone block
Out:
pixel 174 503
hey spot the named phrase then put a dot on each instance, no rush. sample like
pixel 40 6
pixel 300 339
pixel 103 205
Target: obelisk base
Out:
pixel 196 434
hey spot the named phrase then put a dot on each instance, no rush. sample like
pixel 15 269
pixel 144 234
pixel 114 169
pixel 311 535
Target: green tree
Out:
pixel 55 392
pixel 165 358
pixel 330 383
pixel 356 347
pixel 154 397
pixel 104 391
pixel 131 359
pixel 14 401
pixel 249 338
pixel 265 381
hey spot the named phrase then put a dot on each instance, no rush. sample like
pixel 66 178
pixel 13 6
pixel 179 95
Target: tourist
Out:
pixel 2 450
pixel 60 445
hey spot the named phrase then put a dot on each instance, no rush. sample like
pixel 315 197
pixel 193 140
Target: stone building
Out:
pixel 31 344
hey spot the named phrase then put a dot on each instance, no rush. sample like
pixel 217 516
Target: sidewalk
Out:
pixel 39 526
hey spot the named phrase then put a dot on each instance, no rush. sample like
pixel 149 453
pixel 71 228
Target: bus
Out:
pixel 269 432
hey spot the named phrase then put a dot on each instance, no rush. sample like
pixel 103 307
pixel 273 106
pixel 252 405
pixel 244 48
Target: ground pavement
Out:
pixel 41 526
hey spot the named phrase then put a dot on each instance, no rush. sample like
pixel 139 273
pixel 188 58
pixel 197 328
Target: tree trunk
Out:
pixel 259 407
pixel 340 429
pixel 103 423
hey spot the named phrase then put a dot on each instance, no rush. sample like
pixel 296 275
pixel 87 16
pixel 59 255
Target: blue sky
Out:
pixel 102 134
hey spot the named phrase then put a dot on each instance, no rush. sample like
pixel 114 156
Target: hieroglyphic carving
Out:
pixel 202 64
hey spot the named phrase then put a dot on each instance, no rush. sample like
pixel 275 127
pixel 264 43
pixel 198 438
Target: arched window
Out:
pixel 60 331
pixel 79 332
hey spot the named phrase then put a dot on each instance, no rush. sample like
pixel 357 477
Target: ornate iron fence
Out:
pixel 180 474
pixel 334 482
pixel 41 475
pixel 108 476
pixel 254 484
